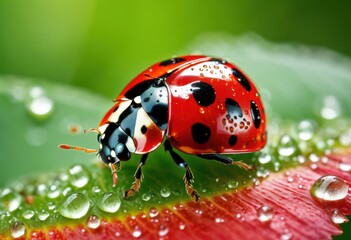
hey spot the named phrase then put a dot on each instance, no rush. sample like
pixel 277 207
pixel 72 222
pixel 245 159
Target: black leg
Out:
pixel 188 177
pixel 225 160
pixel 138 176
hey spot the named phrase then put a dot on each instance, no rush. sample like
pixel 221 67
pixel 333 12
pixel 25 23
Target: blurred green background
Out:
pixel 94 44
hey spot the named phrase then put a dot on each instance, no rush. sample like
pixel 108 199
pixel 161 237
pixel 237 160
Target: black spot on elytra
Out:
pixel 256 116
pixel 233 108
pixel 143 129
pixel 138 89
pixel 242 79
pixel 172 61
pixel 203 93
pixel 232 140
pixel 200 132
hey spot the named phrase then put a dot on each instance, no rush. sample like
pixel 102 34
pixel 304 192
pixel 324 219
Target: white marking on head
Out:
pixel 137 99
pixel 113 153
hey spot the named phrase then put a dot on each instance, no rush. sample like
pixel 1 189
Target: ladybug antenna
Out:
pixel 92 130
pixel 68 147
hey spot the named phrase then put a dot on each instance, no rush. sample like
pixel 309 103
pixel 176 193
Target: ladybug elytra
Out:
pixel 200 105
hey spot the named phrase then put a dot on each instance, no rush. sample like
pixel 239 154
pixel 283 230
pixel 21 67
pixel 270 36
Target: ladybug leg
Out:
pixel 225 160
pixel 138 176
pixel 188 177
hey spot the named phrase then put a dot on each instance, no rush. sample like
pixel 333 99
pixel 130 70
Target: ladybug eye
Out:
pixel 99 137
pixel 122 152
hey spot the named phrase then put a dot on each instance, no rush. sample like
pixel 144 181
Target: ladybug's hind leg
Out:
pixel 138 176
pixel 225 160
pixel 188 177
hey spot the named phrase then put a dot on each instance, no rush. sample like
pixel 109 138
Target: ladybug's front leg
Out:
pixel 189 177
pixel 138 176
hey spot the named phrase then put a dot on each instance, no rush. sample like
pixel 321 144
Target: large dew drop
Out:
pixel 18 230
pixel 74 206
pixel 265 213
pixel 39 105
pixel 10 200
pixel 329 188
pixel 109 202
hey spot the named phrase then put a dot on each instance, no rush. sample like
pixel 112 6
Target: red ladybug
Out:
pixel 200 105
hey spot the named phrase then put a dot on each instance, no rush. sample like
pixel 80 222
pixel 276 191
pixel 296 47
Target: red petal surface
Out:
pixel 233 215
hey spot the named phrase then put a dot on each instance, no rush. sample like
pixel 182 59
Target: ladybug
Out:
pixel 196 104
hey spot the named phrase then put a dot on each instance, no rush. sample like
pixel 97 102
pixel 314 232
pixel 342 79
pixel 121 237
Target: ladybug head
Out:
pixel 114 144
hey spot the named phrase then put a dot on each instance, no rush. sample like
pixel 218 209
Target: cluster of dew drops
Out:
pixel 303 143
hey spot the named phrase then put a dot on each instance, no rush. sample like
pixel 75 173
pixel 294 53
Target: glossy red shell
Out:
pixel 215 129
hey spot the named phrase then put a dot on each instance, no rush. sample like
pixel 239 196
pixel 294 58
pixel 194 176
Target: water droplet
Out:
pixel 28 214
pixel 36 136
pixel 233 184
pixel 329 188
pixel 262 172
pixel 153 212
pixel 136 232
pixel 74 206
pixel 338 217
pixel 96 189
pixel 264 158
pixel 109 202
pixel 345 167
pixel 51 206
pixel 286 235
pixel 79 176
pixel 219 220
pixel 306 130
pixel 287 146
pixel 54 191
pixel 40 107
pixel 345 138
pixel 18 230
pixel 165 192
pixel 10 200
pixel 182 226
pixel 146 197
pixel 331 108
pixel 93 222
pixel 43 215
pixel 265 213
pixel 163 231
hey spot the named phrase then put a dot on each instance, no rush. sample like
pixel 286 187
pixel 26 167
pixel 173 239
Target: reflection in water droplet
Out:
pixel 331 108
pixel 287 146
pixel 10 200
pixel 182 226
pixel 28 214
pixel 345 167
pixel 153 212
pixel 306 130
pixel 262 172
pixel 265 213
pixel 40 107
pixel 54 191
pixel 264 158
pixel 338 217
pixel 233 184
pixel 329 188
pixel 43 215
pixel 165 192
pixel 36 136
pixel 74 206
pixel 219 220
pixel 79 176
pixel 163 231
pixel 93 222
pixel 146 197
pixel 109 202
pixel 18 230
pixel 136 232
